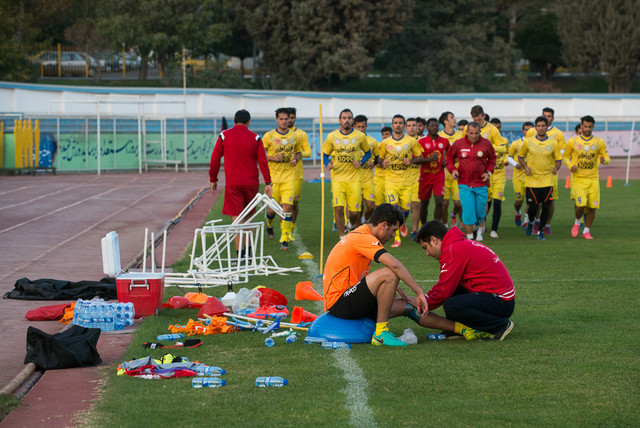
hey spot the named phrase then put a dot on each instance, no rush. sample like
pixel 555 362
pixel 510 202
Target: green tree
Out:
pixel 539 42
pixel 313 44
pixel 602 36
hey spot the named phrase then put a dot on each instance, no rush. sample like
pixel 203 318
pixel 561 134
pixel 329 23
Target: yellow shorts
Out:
pixel 283 193
pixel 586 192
pixel 297 189
pixel 415 192
pixel 571 186
pixel 346 193
pixel 398 194
pixel 451 190
pixel 555 187
pixel 368 190
pixel 380 192
pixel 496 190
pixel 518 189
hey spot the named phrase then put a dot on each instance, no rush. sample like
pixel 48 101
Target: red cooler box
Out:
pixel 144 289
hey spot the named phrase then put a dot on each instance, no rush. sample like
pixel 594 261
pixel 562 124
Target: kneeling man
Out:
pixel 474 287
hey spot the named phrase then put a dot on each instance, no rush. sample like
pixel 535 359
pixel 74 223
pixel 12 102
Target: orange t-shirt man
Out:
pixel 348 262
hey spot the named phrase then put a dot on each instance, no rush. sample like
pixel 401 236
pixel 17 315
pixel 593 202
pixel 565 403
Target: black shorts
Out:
pixel 539 195
pixel 357 302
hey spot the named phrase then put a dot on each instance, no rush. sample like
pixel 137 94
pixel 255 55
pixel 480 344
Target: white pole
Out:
pixel 164 248
pixel 144 257
pixel 139 139
pixel 633 125
pixel 153 252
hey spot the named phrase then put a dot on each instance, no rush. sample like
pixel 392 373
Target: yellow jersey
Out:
pixel 452 138
pixel 501 149
pixel 345 149
pixel 395 151
pixel 380 171
pixel 585 155
pixel 488 131
pixel 514 149
pixel 306 150
pixel 541 157
pixel 367 173
pixel 552 131
pixel 287 144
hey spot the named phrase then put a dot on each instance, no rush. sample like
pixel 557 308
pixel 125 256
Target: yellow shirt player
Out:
pixel 541 159
pixel 585 153
pixel 368 186
pixel 519 176
pixel 451 191
pixel 283 153
pixel 299 172
pixel 487 130
pixel 379 180
pixel 344 152
pixel 495 193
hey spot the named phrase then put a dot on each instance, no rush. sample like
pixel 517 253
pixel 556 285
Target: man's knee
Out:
pixel 381 277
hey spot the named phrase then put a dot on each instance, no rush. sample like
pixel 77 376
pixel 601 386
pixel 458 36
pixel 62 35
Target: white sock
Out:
pixel 526 218
pixel 586 230
pixel 469 235
pixel 578 221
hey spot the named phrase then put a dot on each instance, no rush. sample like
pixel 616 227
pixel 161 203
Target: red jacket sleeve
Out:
pixel 263 162
pixel 216 157
pixel 451 270
pixel 451 154
pixel 491 153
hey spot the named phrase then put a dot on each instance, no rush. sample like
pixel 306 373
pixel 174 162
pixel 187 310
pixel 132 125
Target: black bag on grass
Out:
pixel 74 347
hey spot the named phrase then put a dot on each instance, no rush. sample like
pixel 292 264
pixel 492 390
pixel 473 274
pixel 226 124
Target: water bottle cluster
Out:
pixel 210 381
pixel 97 313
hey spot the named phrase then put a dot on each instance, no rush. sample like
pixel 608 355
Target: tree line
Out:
pixel 461 46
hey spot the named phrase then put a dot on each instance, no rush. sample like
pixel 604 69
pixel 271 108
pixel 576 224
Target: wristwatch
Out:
pixel 267 184
pixel 489 172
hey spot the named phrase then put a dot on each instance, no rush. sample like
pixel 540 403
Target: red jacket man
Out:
pixel 474 287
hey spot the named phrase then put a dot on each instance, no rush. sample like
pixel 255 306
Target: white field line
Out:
pixel 356 389
pixel 433 281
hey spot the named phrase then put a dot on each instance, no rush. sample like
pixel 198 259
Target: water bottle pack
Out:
pixel 270 381
pixel 97 313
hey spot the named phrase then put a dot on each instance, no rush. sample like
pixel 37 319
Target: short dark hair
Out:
pixel 345 110
pixel 411 119
pixel 292 111
pixel 477 110
pixel 421 120
pixel 473 125
pixel 281 110
pixel 444 116
pixel 400 116
pixel 527 123
pixel 432 119
pixel 578 127
pixel 542 119
pixel 496 120
pixel 386 129
pixel 242 116
pixel 361 118
pixel 463 122
pixel 429 229
pixel 549 110
pixel 387 212
pixel 588 119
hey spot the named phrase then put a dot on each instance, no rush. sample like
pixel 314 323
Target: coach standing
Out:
pixel 476 159
pixel 242 150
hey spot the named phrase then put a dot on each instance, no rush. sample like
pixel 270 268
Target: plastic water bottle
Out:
pixel 129 314
pixel 310 340
pixel 119 321
pixel 291 338
pixel 169 337
pixel 436 336
pixel 335 345
pixel 271 381
pixel 204 370
pixel 207 382
pixel 269 342
pixel 94 320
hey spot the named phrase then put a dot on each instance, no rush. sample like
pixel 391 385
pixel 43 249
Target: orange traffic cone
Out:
pixel 609 183
pixel 299 315
pixel 567 184
pixel 305 291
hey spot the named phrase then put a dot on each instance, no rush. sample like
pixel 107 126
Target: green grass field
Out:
pixel 572 359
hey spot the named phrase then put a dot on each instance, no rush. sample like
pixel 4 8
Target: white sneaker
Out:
pixel 493 234
pixel 479 235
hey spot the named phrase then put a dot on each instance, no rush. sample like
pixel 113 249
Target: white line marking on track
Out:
pixel 356 389
pixel 15 190
pixel 87 229
pixel 39 197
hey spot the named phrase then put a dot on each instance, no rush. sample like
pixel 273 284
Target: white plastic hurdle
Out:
pixel 218 264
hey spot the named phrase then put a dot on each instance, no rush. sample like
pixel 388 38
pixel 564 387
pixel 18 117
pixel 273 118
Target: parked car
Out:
pixel 71 63
pixel 113 62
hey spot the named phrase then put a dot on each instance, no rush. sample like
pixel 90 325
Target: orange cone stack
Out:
pixel 567 184
pixel 609 183
pixel 305 291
